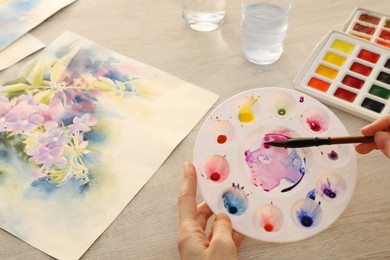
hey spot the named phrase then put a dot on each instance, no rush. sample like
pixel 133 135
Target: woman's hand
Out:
pixel 193 243
pixel 381 130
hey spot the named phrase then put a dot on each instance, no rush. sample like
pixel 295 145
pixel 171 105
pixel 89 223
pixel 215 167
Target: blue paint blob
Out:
pixel 309 212
pixel 235 200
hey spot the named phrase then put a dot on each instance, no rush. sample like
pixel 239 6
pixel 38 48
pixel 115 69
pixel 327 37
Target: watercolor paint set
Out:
pixel 270 193
pixel 348 73
pixel 369 25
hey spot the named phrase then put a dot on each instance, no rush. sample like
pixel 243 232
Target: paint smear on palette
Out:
pixel 308 212
pixel 269 218
pixel 235 200
pixel 217 168
pixel 269 165
pixel 245 114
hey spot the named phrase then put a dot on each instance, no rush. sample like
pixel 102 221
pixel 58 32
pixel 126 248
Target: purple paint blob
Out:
pixel 333 155
pixel 269 165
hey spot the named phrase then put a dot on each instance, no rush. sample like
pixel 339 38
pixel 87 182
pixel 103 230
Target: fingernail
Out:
pixel 382 140
pixel 222 216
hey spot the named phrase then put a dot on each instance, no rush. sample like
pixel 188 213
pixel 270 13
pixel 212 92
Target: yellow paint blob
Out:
pixel 334 59
pixel 342 46
pixel 326 72
pixel 245 114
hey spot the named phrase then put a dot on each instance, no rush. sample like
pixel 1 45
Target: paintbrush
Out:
pixel 317 141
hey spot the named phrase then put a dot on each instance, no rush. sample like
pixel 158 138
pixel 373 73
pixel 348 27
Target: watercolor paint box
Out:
pixel 350 74
pixel 370 26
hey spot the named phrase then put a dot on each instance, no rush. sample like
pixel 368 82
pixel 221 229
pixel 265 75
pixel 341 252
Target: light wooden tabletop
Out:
pixel 154 33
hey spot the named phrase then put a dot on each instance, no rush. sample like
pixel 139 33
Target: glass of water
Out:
pixel 264 26
pixel 204 15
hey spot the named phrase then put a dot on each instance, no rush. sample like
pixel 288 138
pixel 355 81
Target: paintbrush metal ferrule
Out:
pixel 317 141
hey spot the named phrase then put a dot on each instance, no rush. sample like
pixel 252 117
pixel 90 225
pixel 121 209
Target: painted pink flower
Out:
pixel 23 115
pixel 5 107
pixel 82 123
pixel 53 138
pixel 48 157
pixel 53 111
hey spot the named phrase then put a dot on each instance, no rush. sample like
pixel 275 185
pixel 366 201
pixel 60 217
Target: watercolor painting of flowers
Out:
pixel 82 129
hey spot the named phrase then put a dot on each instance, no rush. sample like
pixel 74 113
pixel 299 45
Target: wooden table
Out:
pixel 153 32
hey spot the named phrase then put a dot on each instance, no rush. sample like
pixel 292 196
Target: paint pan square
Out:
pixel 342 46
pixel 326 71
pixel 361 69
pixel 345 94
pixel 384 77
pixel 373 105
pixel 334 59
pixel 385 35
pixel 364 29
pixel 387 64
pixel 369 18
pixel 319 84
pixel 379 92
pixel 387 24
pixel 353 82
pixel 275 194
pixel 368 56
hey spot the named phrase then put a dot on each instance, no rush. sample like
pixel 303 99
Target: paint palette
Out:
pixel 270 193
pixel 369 25
pixel 350 74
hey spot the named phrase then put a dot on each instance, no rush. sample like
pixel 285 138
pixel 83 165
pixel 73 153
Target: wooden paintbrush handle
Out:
pixel 351 139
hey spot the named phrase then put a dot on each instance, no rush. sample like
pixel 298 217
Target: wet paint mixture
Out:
pixel 235 200
pixel 270 218
pixel 245 113
pixel 309 212
pixel 269 165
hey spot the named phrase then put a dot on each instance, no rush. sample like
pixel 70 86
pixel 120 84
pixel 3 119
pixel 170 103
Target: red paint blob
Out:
pixel 315 126
pixel 221 139
pixel 268 227
pixel 215 176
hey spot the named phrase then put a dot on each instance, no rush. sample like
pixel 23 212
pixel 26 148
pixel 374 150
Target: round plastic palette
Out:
pixel 270 193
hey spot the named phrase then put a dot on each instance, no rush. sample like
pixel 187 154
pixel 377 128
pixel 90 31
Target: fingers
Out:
pixel 365 148
pixel 382 140
pixel 222 229
pixel 204 213
pixel 238 238
pixel 187 196
pixel 382 124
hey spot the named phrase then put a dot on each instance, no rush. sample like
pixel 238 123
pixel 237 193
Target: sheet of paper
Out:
pixel 17 17
pixel 19 50
pixel 82 129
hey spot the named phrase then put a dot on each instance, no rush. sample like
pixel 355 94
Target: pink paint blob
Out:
pixel 269 165
pixel 217 168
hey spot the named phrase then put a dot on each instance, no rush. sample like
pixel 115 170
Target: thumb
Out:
pixel 222 226
pixel 382 140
